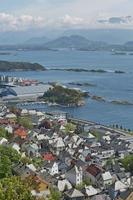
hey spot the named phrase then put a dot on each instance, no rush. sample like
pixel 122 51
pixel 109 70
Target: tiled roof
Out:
pixel 49 157
pixel 21 132
pixel 93 170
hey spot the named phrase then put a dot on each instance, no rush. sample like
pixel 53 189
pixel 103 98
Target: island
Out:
pixel 122 102
pixel 98 98
pixel 20 66
pixel 64 96
pixel 80 84
pixel 79 70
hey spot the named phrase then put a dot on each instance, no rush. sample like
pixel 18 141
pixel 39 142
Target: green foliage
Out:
pixel 11 153
pixel 128 163
pixel 4 133
pixel 5 167
pixel 38 162
pixel 86 182
pixel 26 160
pixel 54 194
pixel 23 66
pixel 8 157
pixel 63 96
pixel 96 134
pixel 70 128
pixel 25 122
pixel 14 188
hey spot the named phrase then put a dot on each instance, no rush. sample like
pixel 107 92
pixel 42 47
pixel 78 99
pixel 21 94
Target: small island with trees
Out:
pixel 64 96
pixel 20 66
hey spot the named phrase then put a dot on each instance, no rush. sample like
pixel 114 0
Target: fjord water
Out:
pixel 111 86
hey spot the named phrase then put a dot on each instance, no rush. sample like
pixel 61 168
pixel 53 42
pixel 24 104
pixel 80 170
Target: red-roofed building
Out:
pixel 93 172
pixel 21 132
pixel 49 157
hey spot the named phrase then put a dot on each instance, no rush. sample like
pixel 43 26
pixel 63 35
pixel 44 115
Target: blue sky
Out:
pixel 26 14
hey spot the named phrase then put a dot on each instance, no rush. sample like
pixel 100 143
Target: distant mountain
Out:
pixel 112 36
pixel 37 41
pixel 73 41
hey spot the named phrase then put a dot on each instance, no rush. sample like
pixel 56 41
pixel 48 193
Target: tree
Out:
pixel 4 133
pixel 128 163
pixel 11 153
pixel 26 122
pixel 14 188
pixel 5 167
pixel 55 194
pixel 8 157
pixel 70 128
pixel 26 160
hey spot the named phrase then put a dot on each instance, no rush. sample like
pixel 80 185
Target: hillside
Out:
pixel 73 41
pixel 37 41
pixel 20 66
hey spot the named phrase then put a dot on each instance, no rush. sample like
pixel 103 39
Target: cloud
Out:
pixel 117 20
pixel 10 22
pixel 68 20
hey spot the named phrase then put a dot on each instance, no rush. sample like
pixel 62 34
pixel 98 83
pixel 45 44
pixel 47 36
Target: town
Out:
pixel 59 157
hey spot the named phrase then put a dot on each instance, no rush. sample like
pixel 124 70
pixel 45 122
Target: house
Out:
pixel 91 191
pixel 48 156
pixel 58 145
pixel 107 179
pixel 52 168
pixel 23 170
pixel 64 185
pixel 10 116
pixel 63 167
pixel 24 112
pixel 74 194
pixel 32 150
pixel 3 141
pixel 40 186
pixel 15 146
pixel 75 175
pixel 9 128
pixel 21 132
pixel 93 172
pixel 116 189
pixel 31 167
pixel 89 137
pixel 105 154
pixel 85 155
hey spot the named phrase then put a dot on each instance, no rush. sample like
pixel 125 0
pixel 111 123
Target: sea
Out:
pixel 110 85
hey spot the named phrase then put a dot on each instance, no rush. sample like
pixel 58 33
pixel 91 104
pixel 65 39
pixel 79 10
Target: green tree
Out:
pixel 54 194
pixel 8 157
pixel 26 122
pixel 128 163
pixel 70 128
pixel 4 133
pixel 26 160
pixel 14 188
pixel 5 167
pixel 11 153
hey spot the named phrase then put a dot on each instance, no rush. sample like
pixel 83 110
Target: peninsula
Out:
pixel 20 66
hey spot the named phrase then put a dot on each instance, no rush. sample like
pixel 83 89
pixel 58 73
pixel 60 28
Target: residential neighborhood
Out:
pixel 65 158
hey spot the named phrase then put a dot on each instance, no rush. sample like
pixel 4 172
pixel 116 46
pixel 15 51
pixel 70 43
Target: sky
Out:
pixel 19 15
